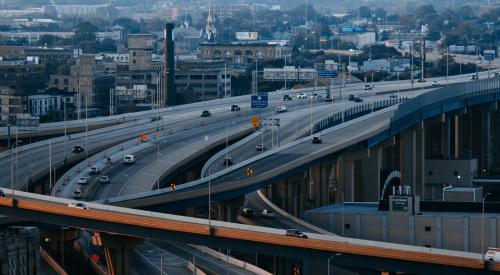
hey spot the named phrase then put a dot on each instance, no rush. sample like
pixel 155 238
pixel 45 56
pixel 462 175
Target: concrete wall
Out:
pixel 19 253
pixel 448 231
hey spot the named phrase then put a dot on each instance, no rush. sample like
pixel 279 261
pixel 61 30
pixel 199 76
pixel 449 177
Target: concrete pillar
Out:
pixel 466 135
pixel 486 155
pixel 447 138
pixel 475 137
pixel 346 179
pixel 121 250
pixel 61 241
pixel 420 161
pixel 458 136
pixel 408 158
pixel 371 175
pixel 496 142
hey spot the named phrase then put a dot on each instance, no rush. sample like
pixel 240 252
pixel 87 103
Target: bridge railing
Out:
pixel 355 112
pixel 451 92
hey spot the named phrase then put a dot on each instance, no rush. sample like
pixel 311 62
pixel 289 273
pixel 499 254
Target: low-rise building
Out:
pixel 11 104
pixel 50 102
pixel 200 81
pixel 243 52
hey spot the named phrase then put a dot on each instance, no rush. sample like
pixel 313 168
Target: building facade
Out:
pixel 242 53
pixel 200 81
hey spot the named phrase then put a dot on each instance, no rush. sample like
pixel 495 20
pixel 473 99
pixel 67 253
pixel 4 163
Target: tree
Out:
pixel 426 13
pixel 47 40
pixel 107 45
pixel 85 31
pixel 466 13
pixel 364 12
pixel 129 24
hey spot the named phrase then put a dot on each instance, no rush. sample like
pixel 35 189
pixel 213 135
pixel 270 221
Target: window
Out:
pixel 347 226
pixel 427 229
pixel 66 81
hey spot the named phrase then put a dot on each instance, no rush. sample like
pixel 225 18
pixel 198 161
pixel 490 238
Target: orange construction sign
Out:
pixel 144 137
pixel 255 121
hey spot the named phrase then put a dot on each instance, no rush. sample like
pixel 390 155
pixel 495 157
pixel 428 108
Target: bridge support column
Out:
pixel 61 241
pixel 458 139
pixel 466 140
pixel 419 188
pixel 121 250
pixel 446 150
pixel 496 143
pixel 486 143
pixel 408 158
pixel 346 179
pixel 371 174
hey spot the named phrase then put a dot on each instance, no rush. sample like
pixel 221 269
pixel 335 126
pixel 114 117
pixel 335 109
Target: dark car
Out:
pixel 351 97
pixel 286 98
pixel 228 161
pixel 246 212
pixel 235 108
pixel 329 99
pixel 78 149
pixel 316 140
pixel 358 99
pixel 295 233
pixel 420 80
pixel 205 113
pixel 474 77
pixel 2 193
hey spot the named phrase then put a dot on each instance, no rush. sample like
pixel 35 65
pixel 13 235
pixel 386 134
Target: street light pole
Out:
pixel 209 199
pixel 86 128
pixel 482 225
pixel 329 259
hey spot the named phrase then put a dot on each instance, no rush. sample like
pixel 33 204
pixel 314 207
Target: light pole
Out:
pixel 482 225
pixel 209 199
pixel 447 64
pixel 331 258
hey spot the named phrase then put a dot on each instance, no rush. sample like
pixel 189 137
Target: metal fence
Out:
pixel 355 112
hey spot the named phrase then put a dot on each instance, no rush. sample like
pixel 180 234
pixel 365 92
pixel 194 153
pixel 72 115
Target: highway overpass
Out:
pixel 151 225
pixel 368 130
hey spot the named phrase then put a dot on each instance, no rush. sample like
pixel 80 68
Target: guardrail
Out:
pixel 451 92
pixel 413 110
pixel 355 112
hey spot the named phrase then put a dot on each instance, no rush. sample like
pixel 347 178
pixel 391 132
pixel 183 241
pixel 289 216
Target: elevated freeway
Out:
pixel 75 126
pixel 152 225
pixel 288 159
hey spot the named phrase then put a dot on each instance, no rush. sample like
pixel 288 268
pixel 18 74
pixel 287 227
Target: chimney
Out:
pixel 168 65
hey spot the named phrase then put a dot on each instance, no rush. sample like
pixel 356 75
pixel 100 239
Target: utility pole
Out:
pixel 422 58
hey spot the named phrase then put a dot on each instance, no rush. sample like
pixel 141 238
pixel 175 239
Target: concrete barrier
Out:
pixel 228 259
pixel 291 217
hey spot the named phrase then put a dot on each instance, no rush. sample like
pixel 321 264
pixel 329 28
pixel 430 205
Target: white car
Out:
pixel 281 109
pixel 492 255
pixel 129 159
pixel 82 180
pixel 302 96
pixel 79 205
pixel 267 213
pixel 104 179
pixel 367 87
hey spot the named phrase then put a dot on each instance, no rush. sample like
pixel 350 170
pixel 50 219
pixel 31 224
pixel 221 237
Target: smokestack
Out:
pixel 168 65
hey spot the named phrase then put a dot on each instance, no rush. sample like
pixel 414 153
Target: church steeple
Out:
pixel 210 30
